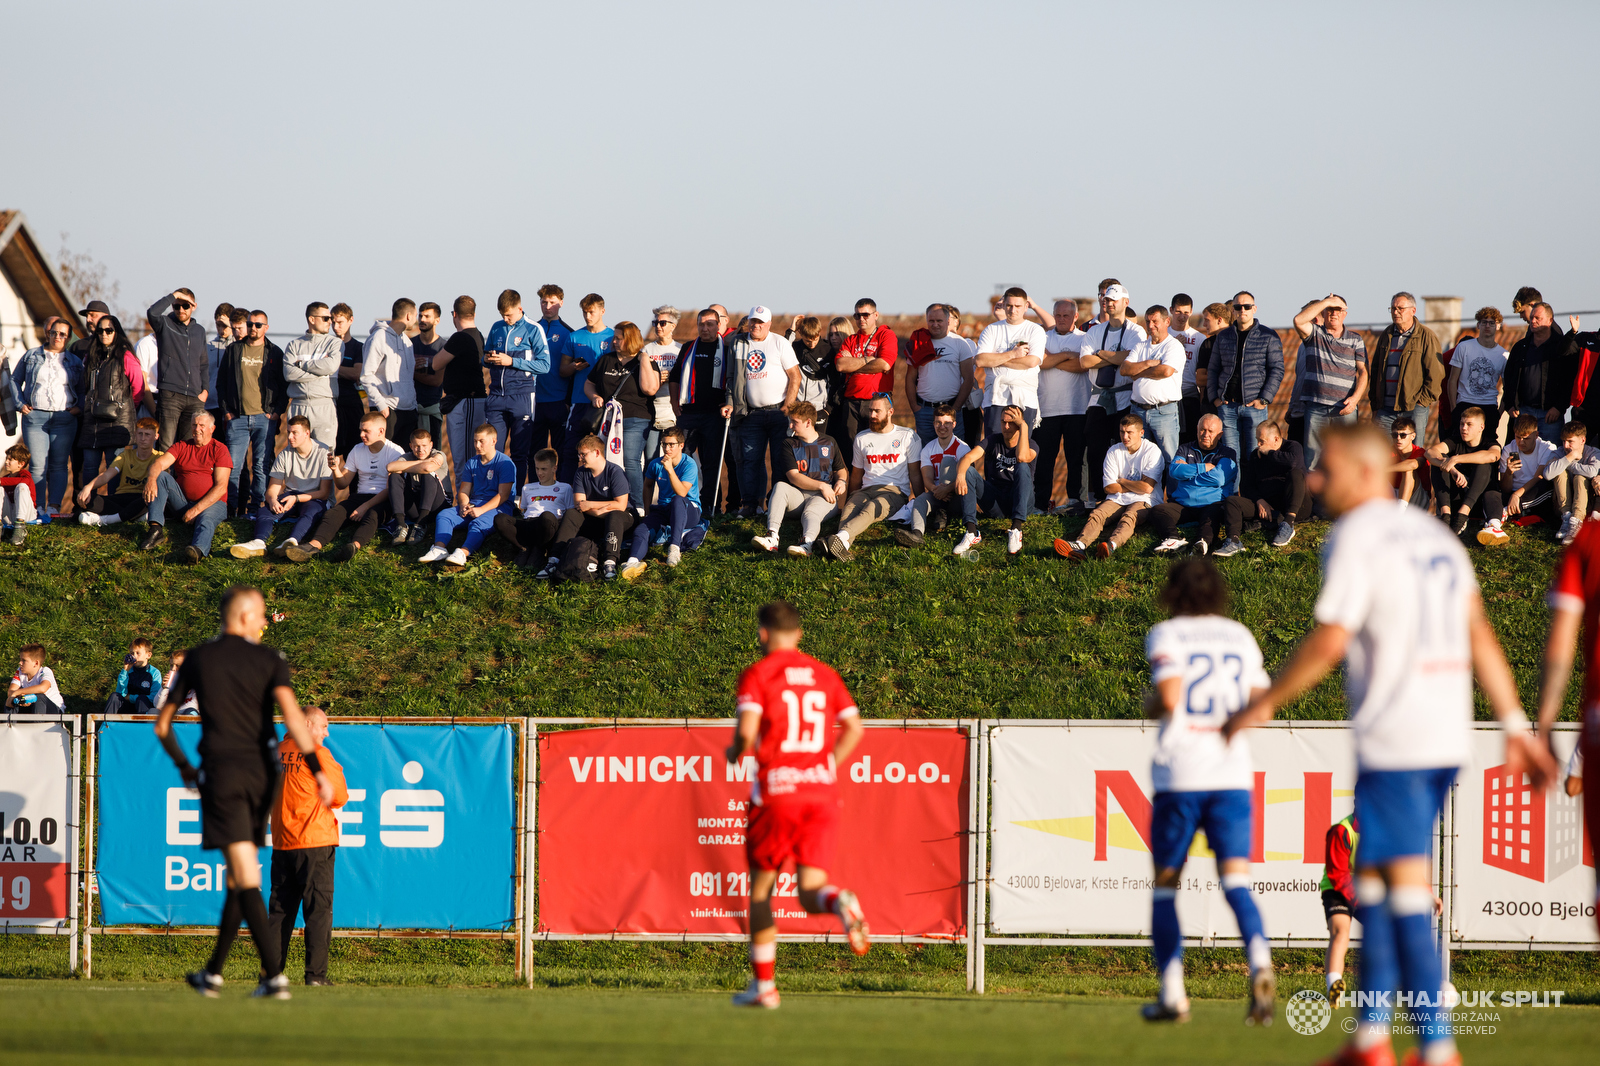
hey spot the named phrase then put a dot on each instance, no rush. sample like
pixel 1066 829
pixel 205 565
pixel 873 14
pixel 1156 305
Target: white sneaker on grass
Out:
pixel 432 555
pixel 800 551
pixel 250 549
pixel 1171 544
pixel 968 542
pixel 674 555
pixel 768 542
pixel 456 558
pixel 1492 535
pixel 1013 541
pixel 88 518
pixel 632 569
pixel 1229 547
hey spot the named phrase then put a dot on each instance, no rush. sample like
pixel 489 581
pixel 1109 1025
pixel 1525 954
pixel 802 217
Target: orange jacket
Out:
pixel 300 820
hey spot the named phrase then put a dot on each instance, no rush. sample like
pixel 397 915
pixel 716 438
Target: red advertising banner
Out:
pixel 641 830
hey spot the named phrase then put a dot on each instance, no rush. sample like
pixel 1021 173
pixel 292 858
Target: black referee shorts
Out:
pixel 237 795
pixel 1334 902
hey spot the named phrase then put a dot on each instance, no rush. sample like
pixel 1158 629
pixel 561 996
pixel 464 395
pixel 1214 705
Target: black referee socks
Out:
pixel 227 929
pixel 255 916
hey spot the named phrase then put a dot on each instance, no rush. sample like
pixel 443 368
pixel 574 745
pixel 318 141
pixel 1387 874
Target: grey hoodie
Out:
pixel 387 368
pixel 311 367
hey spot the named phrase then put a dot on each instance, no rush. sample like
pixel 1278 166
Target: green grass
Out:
pixel 916 633
pixel 56 1022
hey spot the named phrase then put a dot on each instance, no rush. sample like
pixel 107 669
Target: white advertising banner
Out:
pixel 1071 830
pixel 1524 861
pixel 35 827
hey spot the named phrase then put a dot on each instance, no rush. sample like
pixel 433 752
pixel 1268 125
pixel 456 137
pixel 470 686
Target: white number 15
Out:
pixel 807 707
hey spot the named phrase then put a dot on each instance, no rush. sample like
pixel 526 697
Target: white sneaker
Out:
pixel 432 555
pixel 1013 542
pixel 250 549
pixel 632 569
pixel 1568 530
pixel 768 542
pixel 1171 544
pixel 967 543
pixel 674 555
pixel 456 558
pixel 88 518
pixel 756 996
pixel 802 551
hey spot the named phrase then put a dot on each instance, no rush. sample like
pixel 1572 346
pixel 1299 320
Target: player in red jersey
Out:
pixel 1575 601
pixel 789 705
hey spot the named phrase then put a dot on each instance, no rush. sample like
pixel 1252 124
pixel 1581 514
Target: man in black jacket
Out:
pixel 1272 491
pixel 182 370
pixel 252 396
pixel 1539 374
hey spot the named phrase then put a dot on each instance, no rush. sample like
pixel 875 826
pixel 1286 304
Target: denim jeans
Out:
pixel 760 429
pixel 1015 498
pixel 1163 425
pixel 512 419
pixel 170 497
pixel 1319 415
pixel 634 431
pixel 92 458
pixel 1419 415
pixel 679 515
pixel 1239 422
pixel 256 431
pixel 49 436
pixel 303 515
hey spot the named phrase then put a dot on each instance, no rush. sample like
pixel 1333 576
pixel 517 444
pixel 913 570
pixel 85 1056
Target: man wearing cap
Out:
pixel 1106 346
pixel 764 381
pixel 1244 373
pixel 182 368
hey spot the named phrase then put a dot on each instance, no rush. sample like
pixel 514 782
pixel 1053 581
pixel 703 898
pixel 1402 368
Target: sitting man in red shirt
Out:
pixel 192 477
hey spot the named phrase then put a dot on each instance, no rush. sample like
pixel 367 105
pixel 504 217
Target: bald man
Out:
pixel 305 840
pixel 236 681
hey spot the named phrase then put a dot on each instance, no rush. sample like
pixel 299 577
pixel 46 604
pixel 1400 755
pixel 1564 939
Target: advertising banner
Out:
pixel 427 840
pixel 641 830
pixel 1070 835
pixel 35 842
pixel 1524 860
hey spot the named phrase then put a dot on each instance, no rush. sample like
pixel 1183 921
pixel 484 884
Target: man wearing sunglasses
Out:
pixel 251 398
pixel 1244 374
pixel 867 362
pixel 182 369
pixel 310 364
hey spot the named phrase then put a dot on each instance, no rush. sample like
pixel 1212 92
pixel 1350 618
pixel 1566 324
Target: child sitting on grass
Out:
pixel 139 683
pixel 34 686
pixel 18 506
pixel 190 704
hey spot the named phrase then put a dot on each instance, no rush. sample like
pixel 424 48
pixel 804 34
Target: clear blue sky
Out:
pixel 802 155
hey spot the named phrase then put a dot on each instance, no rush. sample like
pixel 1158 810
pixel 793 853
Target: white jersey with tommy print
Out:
pixel 537 498
pixel 1402 586
pixel 1220 665
pixel 885 458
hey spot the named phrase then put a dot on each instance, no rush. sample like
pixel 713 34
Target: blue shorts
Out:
pixel 1396 810
pixel 1224 814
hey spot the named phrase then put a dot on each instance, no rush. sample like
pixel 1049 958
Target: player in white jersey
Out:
pixel 1205 668
pixel 1400 606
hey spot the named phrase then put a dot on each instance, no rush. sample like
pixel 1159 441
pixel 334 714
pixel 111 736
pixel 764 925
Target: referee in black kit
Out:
pixel 236 682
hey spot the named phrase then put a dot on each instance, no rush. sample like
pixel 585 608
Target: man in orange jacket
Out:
pixel 305 839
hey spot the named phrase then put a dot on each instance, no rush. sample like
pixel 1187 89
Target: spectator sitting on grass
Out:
pixel 1272 491
pixel 417 491
pixel 138 684
pixel 1463 468
pixel 483 491
pixel 814 481
pixel 883 477
pixel 197 487
pixel 1007 456
pixel 300 489
pixel 368 467
pixel 600 510
pixel 191 703
pixel 130 470
pixel 674 479
pixel 1200 477
pixel 1523 486
pixel 540 504
pixel 17 502
pixel 1411 482
pixel 34 685
pixel 1131 474
pixel 939 500
pixel 1575 475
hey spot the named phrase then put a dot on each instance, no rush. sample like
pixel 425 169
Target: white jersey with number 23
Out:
pixel 1219 664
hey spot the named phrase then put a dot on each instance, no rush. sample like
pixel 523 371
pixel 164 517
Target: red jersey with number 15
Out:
pixel 800 701
pixel 1577 588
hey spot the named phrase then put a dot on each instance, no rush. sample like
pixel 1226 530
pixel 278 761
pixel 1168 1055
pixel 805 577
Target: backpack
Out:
pixel 580 563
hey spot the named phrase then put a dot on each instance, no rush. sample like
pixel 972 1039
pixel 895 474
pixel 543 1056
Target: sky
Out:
pixel 804 155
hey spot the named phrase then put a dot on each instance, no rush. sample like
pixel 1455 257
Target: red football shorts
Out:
pixel 802 830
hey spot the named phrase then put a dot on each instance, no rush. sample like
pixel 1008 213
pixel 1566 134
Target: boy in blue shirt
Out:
pixel 516 355
pixel 580 353
pixel 139 683
pixel 678 478
pixel 483 490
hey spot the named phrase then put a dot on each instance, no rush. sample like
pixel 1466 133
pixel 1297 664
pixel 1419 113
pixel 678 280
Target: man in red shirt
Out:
pixel 196 484
pixel 789 705
pixel 867 362
pixel 1575 601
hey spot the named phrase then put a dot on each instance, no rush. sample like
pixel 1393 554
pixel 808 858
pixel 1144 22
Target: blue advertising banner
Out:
pixel 427 840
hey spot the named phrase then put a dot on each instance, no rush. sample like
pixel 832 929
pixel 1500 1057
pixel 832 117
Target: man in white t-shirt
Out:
pixel 367 466
pixel 938 500
pixel 1063 407
pixel 1204 667
pixel 1156 369
pixel 1476 367
pixel 1524 489
pixel 1009 352
pixel 883 476
pixel 764 382
pixel 1400 606
pixel 1194 404
pixel 1105 346
pixel 944 373
pixel 1130 476
pixel 146 350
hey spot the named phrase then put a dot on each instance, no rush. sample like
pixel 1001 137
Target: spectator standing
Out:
pixel 310 373
pixel 49 383
pixel 253 395
pixel 222 318
pixel 1010 352
pixel 1130 475
pixel 1063 408
pixel 1007 456
pixel 584 348
pixel 484 490
pixel 939 371
pixel 600 510
pixel 698 393
pixel 883 476
pixel 1244 373
pixel 347 400
pixel 813 481
pixel 1272 491
pixel 388 370
pixel 367 466
pixel 183 369
pixel 764 381
pixel 1199 478
pixel 1463 465
pixel 1156 369
pixel 533 525
pixel 148 352
pixel 113 390
pixel 429 381
pixel 305 844
pixel 1106 345
pixel 939 501
pixel 300 490
pixel 1476 371
pixel 663 351
pixel 1194 401
pixel 673 480
pixel 1539 373
pixel 18 505
pixel 516 354
pixel 417 490
pixel 1407 376
pixel 553 396
pixel 630 378
pixel 820 384
pixel 130 469
pixel 866 359
pixel 1332 375
pixel 466 389
pixel 196 487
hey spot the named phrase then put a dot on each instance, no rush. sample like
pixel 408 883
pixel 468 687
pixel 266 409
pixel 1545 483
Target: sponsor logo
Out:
pixel 1535 835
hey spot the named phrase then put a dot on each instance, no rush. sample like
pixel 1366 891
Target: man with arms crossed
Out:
pixel 1400 606
pixel 236 682
pixel 788 705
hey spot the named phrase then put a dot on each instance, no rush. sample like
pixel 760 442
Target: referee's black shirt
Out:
pixel 233 681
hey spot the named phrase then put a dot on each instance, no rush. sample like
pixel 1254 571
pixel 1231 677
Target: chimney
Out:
pixel 1442 314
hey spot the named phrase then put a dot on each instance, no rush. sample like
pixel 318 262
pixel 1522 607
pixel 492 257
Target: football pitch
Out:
pixel 65 1022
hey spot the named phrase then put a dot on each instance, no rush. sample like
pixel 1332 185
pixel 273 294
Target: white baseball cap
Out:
pixel 760 314
pixel 1115 292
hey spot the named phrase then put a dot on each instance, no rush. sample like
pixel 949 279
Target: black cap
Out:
pixel 96 305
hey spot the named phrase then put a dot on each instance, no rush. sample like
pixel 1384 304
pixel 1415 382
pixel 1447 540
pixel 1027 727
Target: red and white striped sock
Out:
pixel 764 962
pixel 828 898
